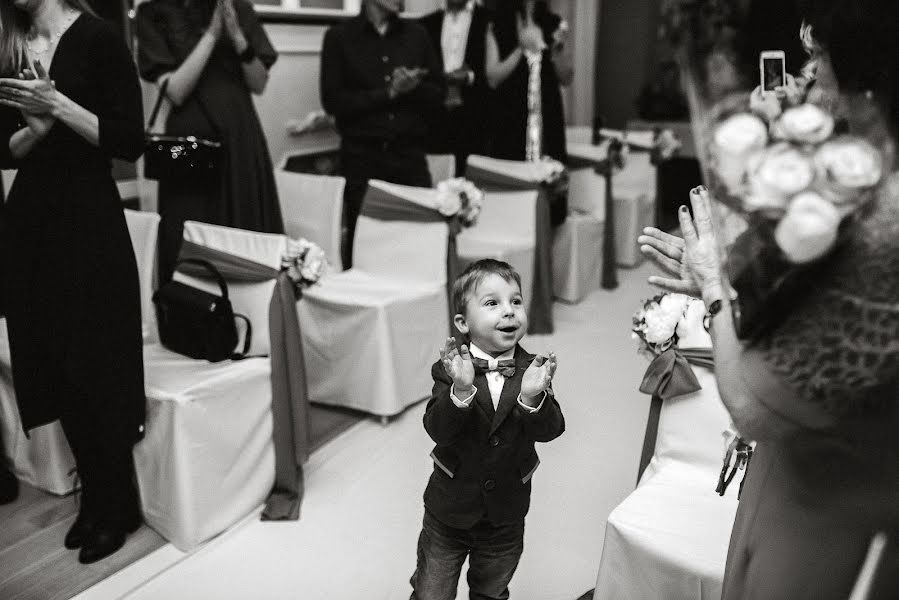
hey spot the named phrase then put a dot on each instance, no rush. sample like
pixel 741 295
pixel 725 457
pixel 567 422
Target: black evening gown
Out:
pixel 510 100
pixel 243 193
pixel 69 277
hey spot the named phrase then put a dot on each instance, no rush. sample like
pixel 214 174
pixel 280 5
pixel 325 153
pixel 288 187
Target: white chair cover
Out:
pixel 143 227
pixel 441 167
pixel 577 257
pixel 669 538
pixel 312 207
pixel 207 459
pixel 634 191
pixel 370 333
pixel 505 231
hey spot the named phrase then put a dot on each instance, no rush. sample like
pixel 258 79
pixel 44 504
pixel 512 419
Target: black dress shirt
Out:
pixel 357 64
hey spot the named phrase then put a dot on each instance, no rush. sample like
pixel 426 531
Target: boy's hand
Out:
pixel 537 378
pixel 459 367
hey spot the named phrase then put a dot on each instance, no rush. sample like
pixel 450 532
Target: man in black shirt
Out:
pixel 380 77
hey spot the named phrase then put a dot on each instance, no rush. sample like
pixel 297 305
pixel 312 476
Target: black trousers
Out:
pixel 403 163
pixel 105 464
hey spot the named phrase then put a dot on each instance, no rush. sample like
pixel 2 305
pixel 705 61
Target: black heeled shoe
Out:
pixel 107 537
pixel 80 530
pixel 9 486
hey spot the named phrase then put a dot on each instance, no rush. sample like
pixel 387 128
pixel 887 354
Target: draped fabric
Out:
pixel 669 375
pixel 290 419
pixel 540 318
pixel 382 205
pixel 534 137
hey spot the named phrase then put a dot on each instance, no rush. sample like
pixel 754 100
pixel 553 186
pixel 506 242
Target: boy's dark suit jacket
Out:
pixel 483 462
pixel 463 131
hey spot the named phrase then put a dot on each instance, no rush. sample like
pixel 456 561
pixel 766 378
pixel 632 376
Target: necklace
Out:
pixel 53 39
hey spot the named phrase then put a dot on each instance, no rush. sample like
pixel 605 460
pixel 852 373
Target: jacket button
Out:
pixel 489 484
pixel 494 441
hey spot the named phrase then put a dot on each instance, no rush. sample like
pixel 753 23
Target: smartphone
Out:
pixel 772 70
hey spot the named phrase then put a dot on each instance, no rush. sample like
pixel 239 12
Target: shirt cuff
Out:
pixel 466 403
pixel 531 409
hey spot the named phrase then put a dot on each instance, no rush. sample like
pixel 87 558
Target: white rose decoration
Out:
pixel 775 174
pixel 448 201
pixel 733 140
pixel 804 124
pixel 662 318
pixel 690 330
pixel 849 164
pixel 809 228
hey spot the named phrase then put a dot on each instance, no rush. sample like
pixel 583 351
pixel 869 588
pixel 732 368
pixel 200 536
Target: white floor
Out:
pixel 362 510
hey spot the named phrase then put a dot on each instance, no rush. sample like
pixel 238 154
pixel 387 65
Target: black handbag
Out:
pixel 172 156
pixel 199 324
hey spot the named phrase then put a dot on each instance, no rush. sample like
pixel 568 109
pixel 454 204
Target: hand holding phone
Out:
pixel 772 70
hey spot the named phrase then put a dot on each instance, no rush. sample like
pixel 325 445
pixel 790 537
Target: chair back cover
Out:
pixel 509 212
pixel 691 426
pixel 312 208
pixel 401 235
pixel 143 228
pixel 249 298
pixel 516 174
pixel 441 166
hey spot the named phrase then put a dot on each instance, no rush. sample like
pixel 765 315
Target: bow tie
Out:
pixel 506 368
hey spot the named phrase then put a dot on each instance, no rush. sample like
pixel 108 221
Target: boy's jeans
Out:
pixel 493 557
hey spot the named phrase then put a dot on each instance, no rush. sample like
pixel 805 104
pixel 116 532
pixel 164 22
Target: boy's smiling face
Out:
pixel 494 319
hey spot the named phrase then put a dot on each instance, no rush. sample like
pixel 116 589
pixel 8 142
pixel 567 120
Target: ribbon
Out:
pixel 380 204
pixel 540 317
pixel 290 417
pixel 669 375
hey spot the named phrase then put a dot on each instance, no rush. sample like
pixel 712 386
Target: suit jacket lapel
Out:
pixel 509 398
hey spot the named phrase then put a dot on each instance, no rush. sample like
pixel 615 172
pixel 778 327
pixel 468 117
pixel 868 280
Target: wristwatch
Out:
pixel 247 55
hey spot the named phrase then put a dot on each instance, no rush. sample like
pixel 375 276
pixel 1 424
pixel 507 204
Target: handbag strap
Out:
pixel 158 104
pixel 247 340
pixel 223 287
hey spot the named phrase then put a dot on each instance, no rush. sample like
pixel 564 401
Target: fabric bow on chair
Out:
pixel 670 375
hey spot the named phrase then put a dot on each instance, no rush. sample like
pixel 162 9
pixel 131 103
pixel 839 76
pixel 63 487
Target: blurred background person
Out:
pixel 461 126
pixel 214 55
pixel 71 291
pixel 380 76
pixel 522 27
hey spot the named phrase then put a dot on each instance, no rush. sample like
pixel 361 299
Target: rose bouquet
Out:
pixel 304 262
pixel 782 165
pixel 460 199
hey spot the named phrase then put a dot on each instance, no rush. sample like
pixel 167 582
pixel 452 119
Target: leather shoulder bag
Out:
pixel 199 324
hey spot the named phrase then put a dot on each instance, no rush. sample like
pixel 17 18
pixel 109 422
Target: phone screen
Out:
pixel 773 70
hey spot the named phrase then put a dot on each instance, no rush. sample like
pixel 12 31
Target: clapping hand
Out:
pixel 701 244
pixel 538 377
pixel 28 100
pixel 530 37
pixel 405 80
pixel 33 92
pixel 667 251
pixel 457 364
pixel 232 25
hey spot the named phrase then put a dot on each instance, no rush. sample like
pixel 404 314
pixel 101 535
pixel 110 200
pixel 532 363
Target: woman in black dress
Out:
pixel 523 27
pixel 214 54
pixel 69 277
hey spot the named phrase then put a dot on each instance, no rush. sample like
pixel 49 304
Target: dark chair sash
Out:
pixel 290 418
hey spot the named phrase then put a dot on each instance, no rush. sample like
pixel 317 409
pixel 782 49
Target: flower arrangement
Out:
pixel 781 163
pixel 460 198
pixel 664 320
pixel 304 262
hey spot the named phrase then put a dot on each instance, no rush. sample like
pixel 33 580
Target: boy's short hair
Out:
pixel 474 274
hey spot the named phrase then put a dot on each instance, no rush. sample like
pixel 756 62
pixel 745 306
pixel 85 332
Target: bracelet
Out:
pixel 247 55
